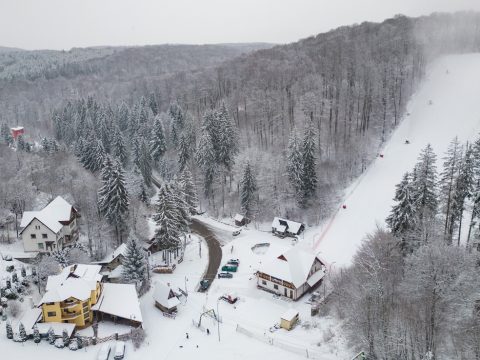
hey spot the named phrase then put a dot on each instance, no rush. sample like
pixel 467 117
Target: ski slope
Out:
pixel 452 85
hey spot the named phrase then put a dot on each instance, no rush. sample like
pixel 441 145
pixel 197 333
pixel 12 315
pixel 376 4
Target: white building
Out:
pixel 292 273
pixel 52 228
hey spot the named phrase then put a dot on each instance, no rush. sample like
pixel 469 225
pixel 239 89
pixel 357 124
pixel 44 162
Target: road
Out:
pixel 214 249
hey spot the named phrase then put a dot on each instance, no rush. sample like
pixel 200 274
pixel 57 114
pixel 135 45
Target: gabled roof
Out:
pixel 239 217
pixel 112 256
pixel 292 226
pixel 51 215
pixel 119 300
pixel 293 266
pixel 77 281
pixel 165 296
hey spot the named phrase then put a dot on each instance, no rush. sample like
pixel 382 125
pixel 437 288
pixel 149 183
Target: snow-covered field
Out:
pixel 453 87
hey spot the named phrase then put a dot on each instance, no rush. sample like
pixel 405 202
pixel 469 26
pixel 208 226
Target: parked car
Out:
pixel 236 233
pixel 104 352
pixel 204 284
pixel 235 262
pixel 229 268
pixel 225 275
pixel 229 298
pixel 119 350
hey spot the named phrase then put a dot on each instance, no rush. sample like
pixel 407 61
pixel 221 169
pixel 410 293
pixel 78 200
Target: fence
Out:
pixel 293 348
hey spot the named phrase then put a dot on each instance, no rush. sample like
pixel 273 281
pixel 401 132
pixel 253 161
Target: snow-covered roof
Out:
pixel 239 217
pixel 294 269
pixel 289 315
pixel 164 295
pixel 77 281
pixel 119 300
pixel 57 328
pixel 292 226
pixel 116 273
pixel 17 128
pixel 30 318
pixel 51 215
pixel 113 255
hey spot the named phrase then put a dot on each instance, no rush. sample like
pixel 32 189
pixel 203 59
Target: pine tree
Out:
pixel 448 179
pixel 152 102
pixel 169 221
pixel 309 173
pixel 9 330
pixel 205 158
pixel 66 338
pixel 51 336
pixel 119 148
pixel 184 152
pixel 189 191
pixel 36 334
pixel 113 197
pixel 177 123
pixel 21 332
pixel 226 145
pixel 463 188
pixel 134 263
pixel 123 116
pixel 248 191
pixel 157 142
pixel 294 164
pixel 402 218
pixel 144 163
pixel 424 182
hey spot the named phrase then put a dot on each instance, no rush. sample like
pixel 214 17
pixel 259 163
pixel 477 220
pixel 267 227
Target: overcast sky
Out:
pixel 63 24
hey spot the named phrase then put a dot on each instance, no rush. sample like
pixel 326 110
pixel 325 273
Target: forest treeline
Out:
pixel 348 87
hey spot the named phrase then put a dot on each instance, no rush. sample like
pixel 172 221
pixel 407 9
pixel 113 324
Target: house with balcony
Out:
pixel 70 295
pixel 52 228
pixel 292 273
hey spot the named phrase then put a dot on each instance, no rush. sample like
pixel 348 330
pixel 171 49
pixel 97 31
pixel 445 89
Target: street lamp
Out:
pixel 218 319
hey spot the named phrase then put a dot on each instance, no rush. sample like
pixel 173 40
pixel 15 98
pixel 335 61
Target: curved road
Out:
pixel 214 249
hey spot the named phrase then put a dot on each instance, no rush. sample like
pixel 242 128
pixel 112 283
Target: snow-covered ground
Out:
pixel 453 112
pixel 453 87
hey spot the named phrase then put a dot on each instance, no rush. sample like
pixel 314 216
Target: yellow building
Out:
pixel 71 295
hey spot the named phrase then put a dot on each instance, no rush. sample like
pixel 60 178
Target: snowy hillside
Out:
pixel 445 106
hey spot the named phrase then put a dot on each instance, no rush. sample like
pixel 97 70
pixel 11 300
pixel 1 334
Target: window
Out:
pixel 264 282
pixel 44 236
pixel 40 246
pixel 37 227
pixel 50 303
pixel 51 313
pixel 275 286
pixel 33 236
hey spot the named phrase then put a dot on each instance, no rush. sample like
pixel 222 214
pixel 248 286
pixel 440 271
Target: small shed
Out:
pixel 165 299
pixel 240 220
pixel 289 319
pixel 17 131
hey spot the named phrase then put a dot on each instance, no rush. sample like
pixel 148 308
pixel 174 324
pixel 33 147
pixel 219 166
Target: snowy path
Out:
pixel 454 112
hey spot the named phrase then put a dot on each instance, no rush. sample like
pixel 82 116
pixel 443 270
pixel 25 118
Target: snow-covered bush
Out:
pixel 138 337
pixel 59 343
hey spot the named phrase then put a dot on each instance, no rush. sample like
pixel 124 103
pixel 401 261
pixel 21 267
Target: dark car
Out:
pixel 204 284
pixel 225 275
pixel 235 262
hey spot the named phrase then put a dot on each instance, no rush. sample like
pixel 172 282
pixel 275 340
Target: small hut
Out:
pixel 165 299
pixel 289 319
pixel 240 220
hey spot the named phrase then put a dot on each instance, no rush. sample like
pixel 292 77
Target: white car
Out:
pixel 119 350
pixel 104 352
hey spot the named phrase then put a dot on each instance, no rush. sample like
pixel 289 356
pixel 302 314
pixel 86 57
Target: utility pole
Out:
pixel 200 248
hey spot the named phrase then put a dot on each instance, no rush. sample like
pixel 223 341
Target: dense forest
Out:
pixel 347 89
